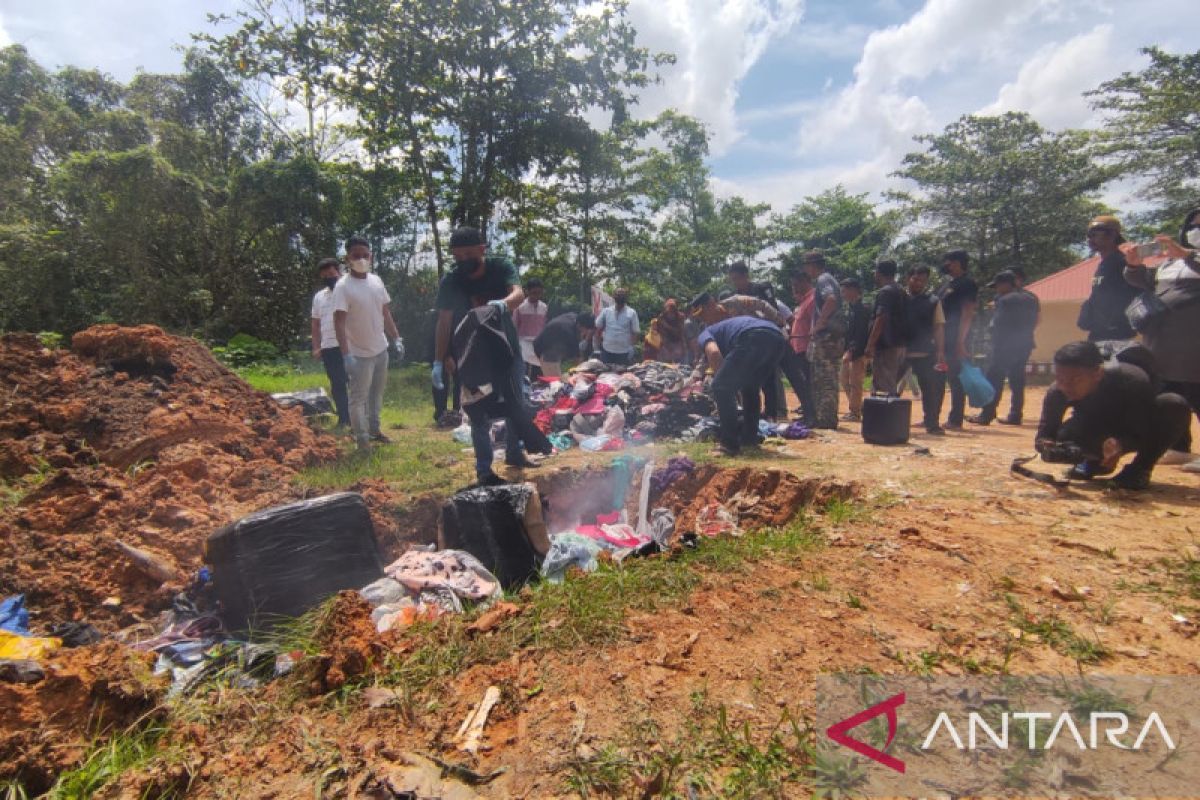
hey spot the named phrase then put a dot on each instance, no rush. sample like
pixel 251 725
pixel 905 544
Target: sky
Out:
pixel 799 96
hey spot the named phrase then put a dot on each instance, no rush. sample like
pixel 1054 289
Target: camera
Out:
pixel 1062 453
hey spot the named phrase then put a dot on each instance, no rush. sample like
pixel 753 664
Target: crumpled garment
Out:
pixel 585 425
pixel 403 613
pixel 715 520
pixel 620 536
pixel 562 441
pixel 569 550
pixel 456 570
pixel 14 617
pixel 703 431
pixel 595 403
pixel 662 527
pixel 384 591
pixel 18 647
pixel 678 467
pixel 462 434
pixel 614 422
pixel 795 430
pixel 595 444
pixel 766 429
pixel 591 365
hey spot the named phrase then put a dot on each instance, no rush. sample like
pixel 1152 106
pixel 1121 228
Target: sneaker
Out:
pixel 1009 421
pixel 980 419
pixel 1134 480
pixel 381 438
pixel 1083 471
pixel 1177 457
pixel 851 417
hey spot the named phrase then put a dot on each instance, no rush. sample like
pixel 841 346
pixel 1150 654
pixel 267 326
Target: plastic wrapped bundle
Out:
pixel 280 562
pixel 502 526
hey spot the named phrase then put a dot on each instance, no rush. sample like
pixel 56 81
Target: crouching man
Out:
pixel 744 353
pixel 1115 412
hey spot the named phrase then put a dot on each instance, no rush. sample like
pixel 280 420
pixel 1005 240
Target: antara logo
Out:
pixel 837 731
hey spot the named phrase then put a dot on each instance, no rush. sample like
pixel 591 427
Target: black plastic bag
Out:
pixel 311 401
pixel 280 562
pixel 502 526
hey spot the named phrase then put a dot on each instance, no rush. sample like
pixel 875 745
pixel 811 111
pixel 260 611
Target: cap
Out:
pixel 1106 221
pixel 700 300
pixel 466 237
pixel 851 283
pixel 1003 276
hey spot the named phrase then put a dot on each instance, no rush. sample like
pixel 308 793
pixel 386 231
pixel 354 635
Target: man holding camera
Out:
pixel 1115 412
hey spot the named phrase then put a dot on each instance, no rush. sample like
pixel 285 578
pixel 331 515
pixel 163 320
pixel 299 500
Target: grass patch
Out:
pixel 131 749
pixel 13 491
pixel 1057 633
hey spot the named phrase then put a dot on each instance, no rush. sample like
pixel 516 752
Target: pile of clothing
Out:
pixel 600 409
pixel 425 584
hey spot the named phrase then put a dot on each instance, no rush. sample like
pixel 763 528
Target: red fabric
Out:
pixel 595 403
pixel 544 420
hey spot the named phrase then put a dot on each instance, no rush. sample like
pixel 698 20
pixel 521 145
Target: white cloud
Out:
pixel 716 42
pixel 1051 84
pixel 5 39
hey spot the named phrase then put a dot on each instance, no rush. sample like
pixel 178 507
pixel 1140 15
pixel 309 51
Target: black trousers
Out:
pixel 335 370
pixel 441 397
pixel 933 388
pixel 617 359
pixel 748 368
pixel 1169 420
pixel 1191 393
pixel 1010 366
pixel 958 395
pixel 798 371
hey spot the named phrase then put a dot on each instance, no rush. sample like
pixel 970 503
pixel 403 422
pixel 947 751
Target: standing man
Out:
pixel 617 329
pixel 926 351
pixel 530 319
pixel 743 352
pixel 854 355
pixel 794 363
pixel 885 347
pixel 324 338
pixel 363 322
pixel 1012 342
pixel 1103 313
pixel 960 298
pixel 827 344
pixel 478 280
pixel 739 279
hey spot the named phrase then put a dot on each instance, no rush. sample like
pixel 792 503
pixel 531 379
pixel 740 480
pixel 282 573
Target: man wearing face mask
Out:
pixel 478 280
pixel 364 324
pixel 617 328
pixel 324 337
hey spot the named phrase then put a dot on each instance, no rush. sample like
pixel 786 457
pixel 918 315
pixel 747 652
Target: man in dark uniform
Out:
pixel 959 297
pixel 743 352
pixel 1012 341
pixel 1103 313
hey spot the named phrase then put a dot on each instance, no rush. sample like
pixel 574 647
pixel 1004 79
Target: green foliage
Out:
pixel 245 350
pixel 110 759
pixel 845 227
pixel 1004 189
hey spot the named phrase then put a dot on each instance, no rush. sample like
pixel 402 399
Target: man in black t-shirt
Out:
pixel 1103 313
pixel 1012 342
pixel 1116 411
pixel 926 351
pixel 739 279
pixel 561 339
pixel 885 347
pixel 960 298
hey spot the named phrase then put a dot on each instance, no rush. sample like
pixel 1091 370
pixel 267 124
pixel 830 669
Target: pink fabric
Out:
pixel 616 535
pixel 595 403
pixel 802 323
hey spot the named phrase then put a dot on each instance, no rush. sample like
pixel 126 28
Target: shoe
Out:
pixel 936 431
pixel 1083 471
pixel 1009 421
pixel 726 450
pixel 1176 457
pixel 980 419
pixel 1192 466
pixel 953 426
pixel 851 417
pixel 524 463
pixel 1134 480
pixel 491 479
pixel 381 438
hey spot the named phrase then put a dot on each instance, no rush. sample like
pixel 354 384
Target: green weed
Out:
pixel 128 750
pixel 1057 633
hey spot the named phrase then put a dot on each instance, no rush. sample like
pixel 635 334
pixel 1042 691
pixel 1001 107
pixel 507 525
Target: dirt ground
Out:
pixel 936 560
pixel 950 566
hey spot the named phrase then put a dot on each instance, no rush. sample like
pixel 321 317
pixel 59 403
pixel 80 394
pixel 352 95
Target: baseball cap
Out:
pixel 1003 276
pixel 466 237
pixel 1106 221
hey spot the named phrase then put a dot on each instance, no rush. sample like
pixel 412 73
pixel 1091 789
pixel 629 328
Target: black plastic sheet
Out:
pixel 502 526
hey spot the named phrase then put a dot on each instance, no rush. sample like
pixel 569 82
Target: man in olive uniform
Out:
pixel 828 341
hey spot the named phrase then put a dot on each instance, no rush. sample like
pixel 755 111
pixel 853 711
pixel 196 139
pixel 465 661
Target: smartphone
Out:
pixel 1147 249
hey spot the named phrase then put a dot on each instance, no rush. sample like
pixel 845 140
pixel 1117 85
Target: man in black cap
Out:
pixel 1102 315
pixel 1012 328
pixel 475 281
pixel 959 298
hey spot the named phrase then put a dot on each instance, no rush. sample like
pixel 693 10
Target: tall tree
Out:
pixel 846 227
pixel 1008 191
pixel 1152 128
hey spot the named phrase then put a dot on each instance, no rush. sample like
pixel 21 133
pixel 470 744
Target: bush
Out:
pixel 245 350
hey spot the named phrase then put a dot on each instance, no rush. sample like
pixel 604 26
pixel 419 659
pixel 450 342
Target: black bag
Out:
pixel 280 562
pixel 886 420
pixel 502 526
pixel 1144 311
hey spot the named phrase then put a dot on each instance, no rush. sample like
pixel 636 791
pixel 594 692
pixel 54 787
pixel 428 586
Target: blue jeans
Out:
pixel 481 424
pixel 335 370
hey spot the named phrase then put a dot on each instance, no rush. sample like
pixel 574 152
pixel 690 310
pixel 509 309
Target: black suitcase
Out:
pixel 282 561
pixel 886 420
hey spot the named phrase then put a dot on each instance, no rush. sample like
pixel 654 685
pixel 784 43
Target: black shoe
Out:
pixel 1009 421
pixel 726 450
pixel 381 438
pixel 953 426
pixel 1084 471
pixel 980 419
pixel 1135 480
pixel 936 431
pixel 491 479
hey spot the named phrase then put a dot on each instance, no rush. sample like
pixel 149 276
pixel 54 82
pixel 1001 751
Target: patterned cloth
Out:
pixel 825 360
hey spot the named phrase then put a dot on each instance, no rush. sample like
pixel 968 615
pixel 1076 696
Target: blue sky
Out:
pixel 799 95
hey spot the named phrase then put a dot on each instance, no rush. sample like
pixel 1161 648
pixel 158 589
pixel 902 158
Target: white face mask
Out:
pixel 360 265
pixel 1193 238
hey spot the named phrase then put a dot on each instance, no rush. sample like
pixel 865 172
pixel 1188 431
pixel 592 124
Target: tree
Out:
pixel 1152 130
pixel 845 227
pixel 1004 189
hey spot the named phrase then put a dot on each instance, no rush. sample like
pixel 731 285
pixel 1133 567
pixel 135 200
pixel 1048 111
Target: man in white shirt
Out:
pixel 529 318
pixel 364 324
pixel 324 337
pixel 617 329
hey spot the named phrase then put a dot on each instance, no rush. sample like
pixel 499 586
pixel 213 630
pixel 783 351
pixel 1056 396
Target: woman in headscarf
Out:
pixel 666 339
pixel 1173 335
